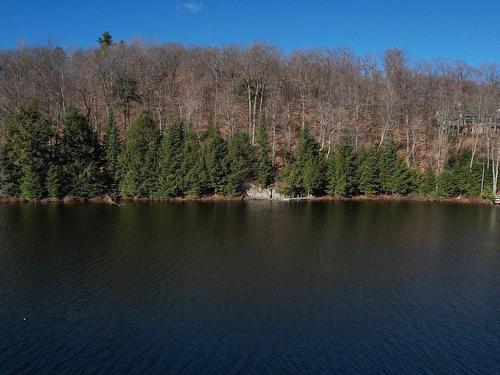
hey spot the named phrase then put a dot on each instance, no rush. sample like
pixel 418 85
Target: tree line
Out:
pixel 435 113
pixel 41 158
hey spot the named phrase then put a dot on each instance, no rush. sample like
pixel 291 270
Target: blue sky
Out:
pixel 460 29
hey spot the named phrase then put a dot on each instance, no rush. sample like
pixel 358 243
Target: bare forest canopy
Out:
pixel 433 112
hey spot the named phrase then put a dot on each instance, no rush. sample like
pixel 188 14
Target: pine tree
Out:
pixel 170 161
pixel 308 147
pixel 312 177
pixel 387 158
pixel 138 160
pixel 239 164
pixel 53 183
pixel 341 170
pixel 214 149
pixel 395 176
pixel 264 162
pixel 31 185
pixel 26 153
pixel 429 182
pixel 81 157
pixel 105 40
pixel 407 179
pixel 194 181
pixel 10 173
pixel 310 163
pixel 458 178
pixel 291 177
pixel 304 173
pixel 367 175
pixel 113 148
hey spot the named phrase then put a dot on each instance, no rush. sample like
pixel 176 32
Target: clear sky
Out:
pixel 453 29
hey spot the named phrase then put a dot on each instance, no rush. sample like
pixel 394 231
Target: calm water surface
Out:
pixel 346 287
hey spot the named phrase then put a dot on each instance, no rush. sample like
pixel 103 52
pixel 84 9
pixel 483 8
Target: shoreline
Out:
pixel 107 200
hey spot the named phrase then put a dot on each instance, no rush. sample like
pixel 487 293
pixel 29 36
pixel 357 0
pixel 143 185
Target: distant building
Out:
pixel 470 124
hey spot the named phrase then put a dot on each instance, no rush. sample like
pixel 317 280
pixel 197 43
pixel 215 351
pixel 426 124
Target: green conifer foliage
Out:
pixel 138 161
pixel 36 161
pixel 10 173
pixel 264 162
pixel 310 163
pixel 239 165
pixel 407 179
pixel 341 170
pixel 428 183
pixel 54 182
pixel 458 178
pixel 32 186
pixel 312 177
pixel 304 174
pixel 214 149
pixel 26 153
pixel 387 157
pixel 113 148
pixel 395 176
pixel 81 157
pixel 367 175
pixel 194 181
pixel 105 40
pixel 170 177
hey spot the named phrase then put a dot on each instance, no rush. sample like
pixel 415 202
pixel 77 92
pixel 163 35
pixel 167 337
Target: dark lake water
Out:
pixel 258 287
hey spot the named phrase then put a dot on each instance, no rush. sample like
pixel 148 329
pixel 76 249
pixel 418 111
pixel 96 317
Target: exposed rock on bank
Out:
pixel 255 192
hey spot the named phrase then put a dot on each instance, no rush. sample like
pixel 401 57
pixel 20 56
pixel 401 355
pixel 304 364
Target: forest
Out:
pixel 139 120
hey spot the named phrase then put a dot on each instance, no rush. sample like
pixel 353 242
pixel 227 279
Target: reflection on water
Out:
pixel 250 287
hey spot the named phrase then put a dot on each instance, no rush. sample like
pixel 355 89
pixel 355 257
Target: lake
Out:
pixel 250 287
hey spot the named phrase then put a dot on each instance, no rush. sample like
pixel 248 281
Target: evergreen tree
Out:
pixel 341 170
pixel 194 180
pixel 458 178
pixel 312 177
pixel 214 149
pixel 239 164
pixel 105 40
pixel 487 180
pixel 308 147
pixel 310 163
pixel 264 162
pixel 291 178
pixel 170 178
pixel 138 160
pixel 81 157
pixel 304 173
pixel 10 173
pixel 112 147
pixel 387 157
pixel 395 176
pixel 53 183
pixel 31 185
pixel 429 182
pixel 26 153
pixel 408 179
pixel 367 175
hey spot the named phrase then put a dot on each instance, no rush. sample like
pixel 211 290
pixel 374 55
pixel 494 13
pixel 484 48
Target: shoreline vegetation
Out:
pixel 107 200
pixel 43 161
pixel 363 136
